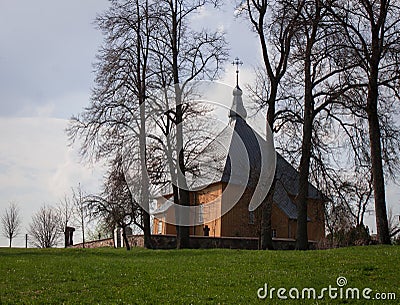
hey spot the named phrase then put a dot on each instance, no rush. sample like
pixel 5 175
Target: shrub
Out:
pixel 355 236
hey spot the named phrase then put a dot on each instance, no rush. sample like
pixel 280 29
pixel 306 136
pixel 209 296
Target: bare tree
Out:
pixel 337 218
pixel 142 54
pixel 11 222
pixel 371 32
pixel 348 194
pixel 44 227
pixel 316 86
pixel 188 56
pixel 117 115
pixel 275 24
pixel 80 210
pixel 65 210
pixel 139 34
pixel 298 33
pixel 116 206
pixel 394 223
pixel 356 197
pixel 101 230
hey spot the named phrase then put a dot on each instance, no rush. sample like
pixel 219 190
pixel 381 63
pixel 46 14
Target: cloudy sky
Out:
pixel 46 56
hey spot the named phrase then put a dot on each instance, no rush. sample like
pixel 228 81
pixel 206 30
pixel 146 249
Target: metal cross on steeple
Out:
pixel 237 63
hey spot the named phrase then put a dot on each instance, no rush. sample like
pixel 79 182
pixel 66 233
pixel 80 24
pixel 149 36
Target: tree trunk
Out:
pixel 66 237
pixel 306 145
pixel 82 211
pixel 126 240
pixel 145 179
pixel 184 199
pixel 376 154
pixel 148 243
pixel 301 198
pixel 266 224
pixel 113 238
pixel 141 78
pixel 182 240
pixel 83 231
pixel 10 241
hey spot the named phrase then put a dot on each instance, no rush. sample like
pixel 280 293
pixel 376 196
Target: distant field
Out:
pixel 110 276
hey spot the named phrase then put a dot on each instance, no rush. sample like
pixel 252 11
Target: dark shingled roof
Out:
pixel 242 144
pixel 237 142
pixel 288 184
pixel 215 165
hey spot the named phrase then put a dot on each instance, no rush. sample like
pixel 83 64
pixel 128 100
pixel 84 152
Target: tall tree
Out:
pixel 318 81
pixel 117 115
pixel 11 222
pixel 311 26
pixel 136 33
pixel 372 32
pixel 142 54
pixel 188 56
pixel 275 24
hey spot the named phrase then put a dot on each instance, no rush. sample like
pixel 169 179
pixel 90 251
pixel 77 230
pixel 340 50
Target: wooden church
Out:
pixel 221 196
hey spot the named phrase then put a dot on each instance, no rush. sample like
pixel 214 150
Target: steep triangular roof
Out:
pixel 235 156
pixel 239 141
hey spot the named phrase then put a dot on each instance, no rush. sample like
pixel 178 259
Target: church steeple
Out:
pixel 237 109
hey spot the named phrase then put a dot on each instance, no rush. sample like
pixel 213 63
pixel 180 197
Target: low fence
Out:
pixel 198 242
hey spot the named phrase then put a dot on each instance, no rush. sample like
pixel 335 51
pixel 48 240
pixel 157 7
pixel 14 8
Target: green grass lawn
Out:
pixel 221 276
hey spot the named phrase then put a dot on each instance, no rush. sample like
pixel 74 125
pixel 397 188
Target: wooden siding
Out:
pixel 279 222
pixel 236 222
pixel 205 196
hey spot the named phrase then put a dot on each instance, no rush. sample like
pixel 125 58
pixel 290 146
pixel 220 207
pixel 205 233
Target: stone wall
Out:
pixel 102 243
pixel 198 242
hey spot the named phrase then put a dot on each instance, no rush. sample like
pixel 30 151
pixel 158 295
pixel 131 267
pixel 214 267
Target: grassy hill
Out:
pixel 115 276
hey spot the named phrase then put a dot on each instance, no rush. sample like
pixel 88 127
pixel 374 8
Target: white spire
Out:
pixel 237 109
